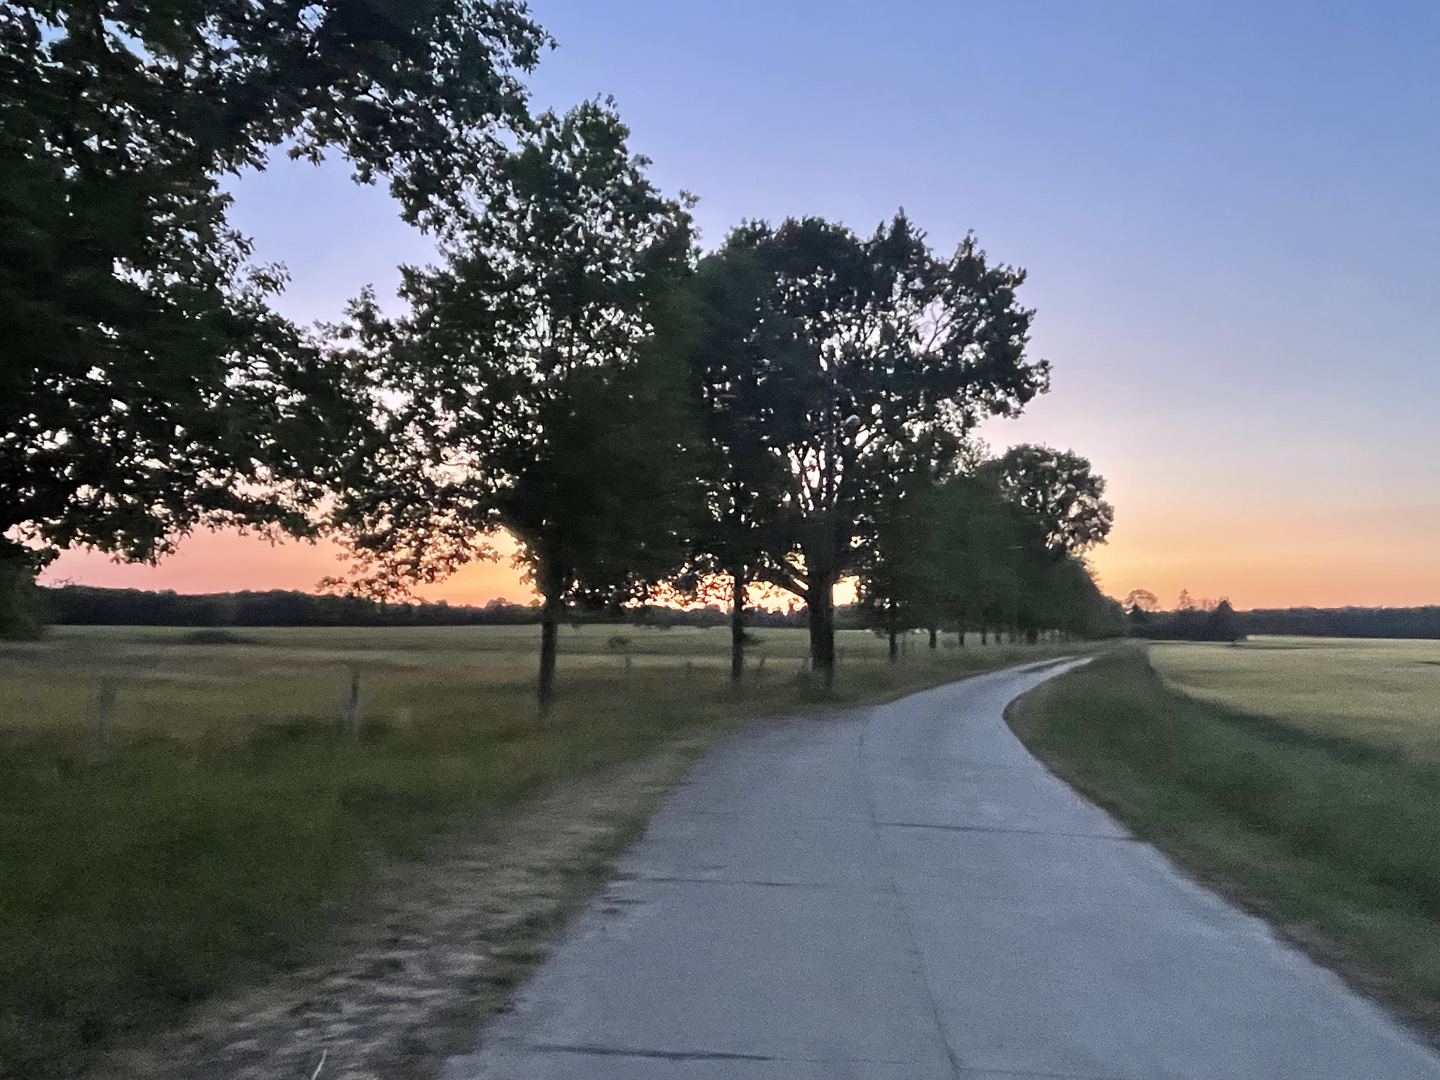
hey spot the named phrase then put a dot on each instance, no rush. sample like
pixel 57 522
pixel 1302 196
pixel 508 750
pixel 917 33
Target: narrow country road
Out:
pixel 906 894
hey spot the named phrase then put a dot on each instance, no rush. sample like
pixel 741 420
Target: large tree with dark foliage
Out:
pixel 744 355
pixel 893 354
pixel 147 386
pixel 900 558
pixel 1058 491
pixel 525 389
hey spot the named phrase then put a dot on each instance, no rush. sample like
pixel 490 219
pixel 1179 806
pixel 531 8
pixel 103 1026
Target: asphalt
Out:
pixel 906 894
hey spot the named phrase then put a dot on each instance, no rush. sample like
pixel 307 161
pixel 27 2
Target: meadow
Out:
pixel 1299 777
pixel 1380 691
pixel 235 812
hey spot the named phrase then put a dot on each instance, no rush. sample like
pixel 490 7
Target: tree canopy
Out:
pixel 876 356
pixel 148 385
pixel 1057 490
pixel 524 389
pixel 796 406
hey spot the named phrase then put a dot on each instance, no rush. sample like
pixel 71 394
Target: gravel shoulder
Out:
pixel 434 948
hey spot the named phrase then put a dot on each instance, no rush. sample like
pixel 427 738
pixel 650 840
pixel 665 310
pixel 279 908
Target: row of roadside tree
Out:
pixel 792 408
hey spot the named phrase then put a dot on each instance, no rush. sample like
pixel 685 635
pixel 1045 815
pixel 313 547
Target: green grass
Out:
pixel 1381 691
pixel 1336 839
pixel 234 813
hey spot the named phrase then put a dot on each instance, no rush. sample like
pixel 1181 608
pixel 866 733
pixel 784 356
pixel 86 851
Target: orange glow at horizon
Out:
pixel 227 561
pixel 1263 556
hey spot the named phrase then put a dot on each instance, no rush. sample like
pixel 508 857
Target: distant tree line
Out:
pixel 1218 622
pixel 82 605
pixel 85 605
pixel 1418 622
pixel 796 407
pixel 1222 623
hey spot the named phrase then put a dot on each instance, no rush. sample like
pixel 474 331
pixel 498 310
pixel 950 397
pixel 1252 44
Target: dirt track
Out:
pixel 405 981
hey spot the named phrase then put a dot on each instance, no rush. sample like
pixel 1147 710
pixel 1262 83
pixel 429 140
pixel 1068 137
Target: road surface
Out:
pixel 905 893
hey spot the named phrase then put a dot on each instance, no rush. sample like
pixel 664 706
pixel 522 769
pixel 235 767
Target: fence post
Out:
pixel 102 721
pixel 350 708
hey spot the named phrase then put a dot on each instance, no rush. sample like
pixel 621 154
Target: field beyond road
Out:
pixel 1377 690
pixel 235 823
pixel 1327 826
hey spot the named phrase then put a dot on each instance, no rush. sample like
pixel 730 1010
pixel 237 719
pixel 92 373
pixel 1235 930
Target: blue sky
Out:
pixel 1230 213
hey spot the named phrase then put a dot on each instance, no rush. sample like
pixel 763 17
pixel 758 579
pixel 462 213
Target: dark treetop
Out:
pixel 146 385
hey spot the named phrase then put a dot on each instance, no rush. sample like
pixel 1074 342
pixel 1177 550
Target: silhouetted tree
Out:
pixel 520 393
pixel 147 386
pixel 1222 624
pixel 899 556
pixel 1140 621
pixel 1143 599
pixel 743 357
pixel 895 355
pixel 978 535
pixel 1057 489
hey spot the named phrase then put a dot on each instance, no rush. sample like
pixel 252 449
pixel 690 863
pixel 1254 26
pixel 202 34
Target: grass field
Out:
pixel 1329 828
pixel 1381 691
pixel 234 813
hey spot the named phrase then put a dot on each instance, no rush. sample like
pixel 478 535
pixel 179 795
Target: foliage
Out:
pixel 1416 622
pixel 959 554
pixel 740 351
pixel 876 356
pixel 1142 600
pixel 147 385
pixel 1222 624
pixel 1192 623
pixel 901 557
pixel 1057 491
pixel 523 391
pixel 22 604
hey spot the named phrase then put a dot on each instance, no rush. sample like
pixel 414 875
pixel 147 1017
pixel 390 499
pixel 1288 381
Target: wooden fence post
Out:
pixel 350 709
pixel 102 720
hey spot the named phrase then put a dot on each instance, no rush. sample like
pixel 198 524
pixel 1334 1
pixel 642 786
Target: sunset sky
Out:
pixel 1230 213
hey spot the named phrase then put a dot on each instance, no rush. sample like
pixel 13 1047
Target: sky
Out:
pixel 1229 213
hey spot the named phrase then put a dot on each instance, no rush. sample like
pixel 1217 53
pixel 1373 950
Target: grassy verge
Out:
pixel 234 815
pixel 1335 840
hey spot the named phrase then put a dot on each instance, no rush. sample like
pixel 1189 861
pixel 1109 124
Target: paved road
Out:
pixel 906 894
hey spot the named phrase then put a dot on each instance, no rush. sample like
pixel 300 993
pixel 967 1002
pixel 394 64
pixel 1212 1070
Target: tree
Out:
pixel 978 540
pixel 1142 599
pixel 895 355
pixel 1058 491
pixel 1140 621
pixel 1222 624
pixel 742 353
pixel 899 561
pixel 147 385
pixel 525 390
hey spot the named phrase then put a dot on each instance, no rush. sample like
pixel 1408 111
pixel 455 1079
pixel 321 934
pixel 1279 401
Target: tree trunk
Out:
pixel 1031 635
pixel 984 635
pixel 960 636
pixel 549 634
pixel 821 608
pixel 894 646
pixel 934 638
pixel 737 627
